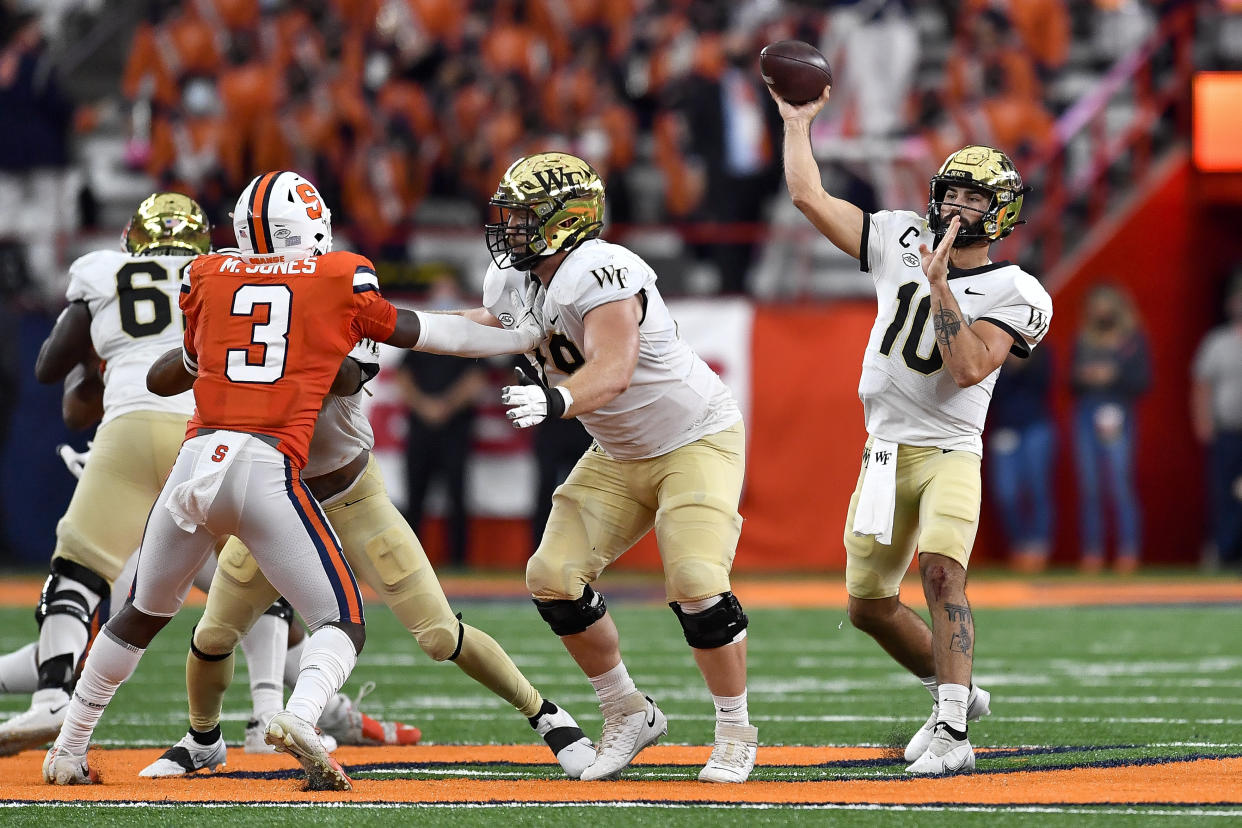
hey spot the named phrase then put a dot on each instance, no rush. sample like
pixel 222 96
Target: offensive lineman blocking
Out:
pixel 669 452
pixel 925 395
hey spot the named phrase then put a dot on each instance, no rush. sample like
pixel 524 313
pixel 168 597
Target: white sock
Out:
pixel 614 685
pixel 264 648
pixel 330 658
pixel 109 665
pixel 293 663
pixel 931 684
pixel 19 672
pixel 952 704
pixel 731 709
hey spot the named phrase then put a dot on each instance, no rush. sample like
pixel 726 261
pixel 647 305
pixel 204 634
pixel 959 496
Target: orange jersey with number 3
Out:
pixel 267 337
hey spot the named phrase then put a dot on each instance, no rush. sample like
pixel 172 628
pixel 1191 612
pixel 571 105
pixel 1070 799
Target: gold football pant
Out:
pixel 936 510
pixel 130 458
pixel 384 552
pixel 605 506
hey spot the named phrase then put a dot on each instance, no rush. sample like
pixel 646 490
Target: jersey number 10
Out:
pixel 910 350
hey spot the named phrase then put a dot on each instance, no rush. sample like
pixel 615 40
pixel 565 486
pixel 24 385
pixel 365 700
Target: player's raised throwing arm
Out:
pixel 839 220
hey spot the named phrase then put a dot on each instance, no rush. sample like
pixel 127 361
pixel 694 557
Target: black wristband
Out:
pixel 556 403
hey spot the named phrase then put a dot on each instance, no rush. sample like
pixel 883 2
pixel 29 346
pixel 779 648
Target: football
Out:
pixel 794 70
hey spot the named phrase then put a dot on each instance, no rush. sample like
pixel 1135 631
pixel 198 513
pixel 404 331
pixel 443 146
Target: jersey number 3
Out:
pixel 910 350
pixel 263 360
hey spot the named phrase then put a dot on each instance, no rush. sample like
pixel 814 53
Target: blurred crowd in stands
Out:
pixel 406 112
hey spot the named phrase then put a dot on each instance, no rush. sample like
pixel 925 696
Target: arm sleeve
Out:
pixel 447 333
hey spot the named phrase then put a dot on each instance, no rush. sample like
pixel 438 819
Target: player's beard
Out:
pixel 968 232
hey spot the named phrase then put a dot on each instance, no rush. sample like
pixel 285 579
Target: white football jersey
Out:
pixel 135 318
pixel 674 398
pixel 907 395
pixel 342 431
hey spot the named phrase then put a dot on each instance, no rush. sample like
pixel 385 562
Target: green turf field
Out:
pixel 1071 687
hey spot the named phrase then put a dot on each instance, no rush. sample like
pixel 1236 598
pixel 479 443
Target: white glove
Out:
pixel 533 404
pixel 74 461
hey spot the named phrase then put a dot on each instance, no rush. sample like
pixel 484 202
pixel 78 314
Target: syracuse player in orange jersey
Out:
pixel 267 327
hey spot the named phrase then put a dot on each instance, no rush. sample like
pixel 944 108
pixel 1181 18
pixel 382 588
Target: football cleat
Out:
pixel 733 755
pixel 631 724
pixel 186 757
pixel 977 706
pixel 343 721
pixel 569 744
pixel 38 725
pixel 947 754
pixel 60 768
pixel 256 733
pixel 299 738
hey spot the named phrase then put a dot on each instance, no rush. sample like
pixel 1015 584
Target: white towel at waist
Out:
pixel 876 501
pixel 190 501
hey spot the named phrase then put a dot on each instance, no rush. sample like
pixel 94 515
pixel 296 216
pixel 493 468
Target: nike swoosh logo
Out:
pixel 554 319
pixel 352 502
pixel 651 719
pixel 975 292
pixel 56 710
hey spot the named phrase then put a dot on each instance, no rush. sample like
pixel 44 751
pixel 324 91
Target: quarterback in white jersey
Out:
pixel 122 310
pixel 668 453
pixel 947 316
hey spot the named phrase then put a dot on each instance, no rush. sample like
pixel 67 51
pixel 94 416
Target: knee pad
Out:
pixel 718 625
pixel 442 642
pixel 71 589
pixel 572 617
pixel 212 654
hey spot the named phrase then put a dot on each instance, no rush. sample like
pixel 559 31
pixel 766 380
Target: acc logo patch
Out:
pixel 282 233
pixel 910 259
pixel 506 319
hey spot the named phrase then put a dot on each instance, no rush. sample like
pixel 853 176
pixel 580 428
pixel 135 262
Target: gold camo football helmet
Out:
pixel 547 203
pixel 168 221
pixel 990 171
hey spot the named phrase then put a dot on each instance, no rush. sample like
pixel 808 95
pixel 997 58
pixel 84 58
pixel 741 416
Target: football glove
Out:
pixel 531 404
pixel 74 461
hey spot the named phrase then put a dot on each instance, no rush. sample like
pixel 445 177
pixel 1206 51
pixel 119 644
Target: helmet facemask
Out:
pixel 983 170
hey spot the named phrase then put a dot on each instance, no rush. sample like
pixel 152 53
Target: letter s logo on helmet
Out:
pixel 281 213
pixel 547 203
pixel 989 171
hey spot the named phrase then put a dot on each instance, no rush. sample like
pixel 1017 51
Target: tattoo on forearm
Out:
pixel 947 325
pixel 962 639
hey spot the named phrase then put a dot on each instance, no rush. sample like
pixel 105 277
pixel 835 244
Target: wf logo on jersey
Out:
pixel 610 274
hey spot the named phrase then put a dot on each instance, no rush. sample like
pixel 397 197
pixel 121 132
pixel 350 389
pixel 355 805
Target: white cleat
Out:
pixel 256 739
pixel 733 756
pixel 946 754
pixel 186 757
pixel 299 738
pixel 977 706
pixel 630 725
pixel 569 744
pixel 37 726
pixel 60 768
